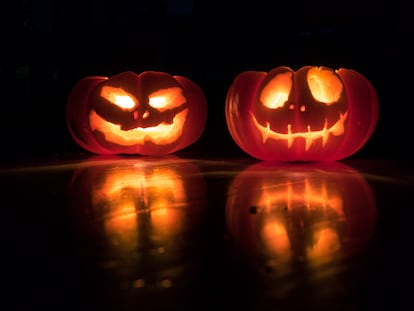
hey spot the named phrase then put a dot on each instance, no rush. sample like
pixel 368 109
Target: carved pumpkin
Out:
pixel 137 215
pixel 315 214
pixel 313 114
pixel 151 113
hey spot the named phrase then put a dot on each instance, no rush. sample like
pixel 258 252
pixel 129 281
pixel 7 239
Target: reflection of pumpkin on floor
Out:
pixel 152 113
pixel 312 114
pixel 309 213
pixel 138 213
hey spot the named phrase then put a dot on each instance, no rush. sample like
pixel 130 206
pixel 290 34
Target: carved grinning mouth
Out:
pixel 162 134
pixel 336 130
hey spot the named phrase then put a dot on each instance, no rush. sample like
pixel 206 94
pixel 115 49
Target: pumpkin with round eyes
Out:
pixel 313 114
pixel 151 113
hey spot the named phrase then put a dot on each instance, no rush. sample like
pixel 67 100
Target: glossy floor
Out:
pixel 183 233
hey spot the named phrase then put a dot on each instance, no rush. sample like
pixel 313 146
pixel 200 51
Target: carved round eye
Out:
pixel 166 99
pixel 324 85
pixel 276 92
pixel 119 97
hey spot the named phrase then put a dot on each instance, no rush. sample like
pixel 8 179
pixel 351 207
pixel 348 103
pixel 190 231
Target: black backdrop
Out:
pixel 49 45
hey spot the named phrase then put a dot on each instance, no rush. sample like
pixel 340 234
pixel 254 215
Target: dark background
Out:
pixel 48 46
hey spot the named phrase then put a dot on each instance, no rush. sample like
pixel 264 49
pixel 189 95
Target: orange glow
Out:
pixel 313 114
pixel 121 228
pixel 130 193
pixel 117 197
pixel 324 85
pixel 162 134
pixel 289 217
pixel 166 196
pixel 142 190
pixel 311 135
pixel 276 239
pixel 279 205
pixel 325 247
pixel 304 192
pixel 276 92
pixel 166 99
pixel 119 97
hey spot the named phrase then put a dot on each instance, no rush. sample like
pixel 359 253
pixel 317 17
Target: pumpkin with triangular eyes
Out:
pixel 313 114
pixel 151 113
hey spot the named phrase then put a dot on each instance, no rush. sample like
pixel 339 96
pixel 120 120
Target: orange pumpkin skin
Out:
pixel 151 113
pixel 313 114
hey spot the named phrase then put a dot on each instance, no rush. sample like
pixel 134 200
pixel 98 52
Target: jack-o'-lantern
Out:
pixel 310 214
pixel 151 113
pixel 137 215
pixel 313 114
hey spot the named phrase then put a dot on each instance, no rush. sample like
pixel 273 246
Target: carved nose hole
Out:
pixel 291 106
pixel 302 108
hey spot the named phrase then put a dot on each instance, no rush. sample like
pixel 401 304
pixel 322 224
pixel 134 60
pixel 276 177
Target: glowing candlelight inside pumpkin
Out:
pixel 151 113
pixel 313 114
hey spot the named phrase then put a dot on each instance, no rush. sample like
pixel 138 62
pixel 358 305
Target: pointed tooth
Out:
pixel 290 137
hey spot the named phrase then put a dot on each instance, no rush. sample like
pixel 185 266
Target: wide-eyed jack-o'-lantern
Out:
pixel 313 114
pixel 136 216
pixel 151 113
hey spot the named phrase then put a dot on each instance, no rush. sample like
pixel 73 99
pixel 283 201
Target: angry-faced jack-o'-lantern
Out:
pixel 313 114
pixel 151 113
pixel 312 214
pixel 137 215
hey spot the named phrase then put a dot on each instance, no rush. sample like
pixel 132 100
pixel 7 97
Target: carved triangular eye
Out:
pixel 325 85
pixel 166 99
pixel 277 91
pixel 150 113
pixel 119 97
